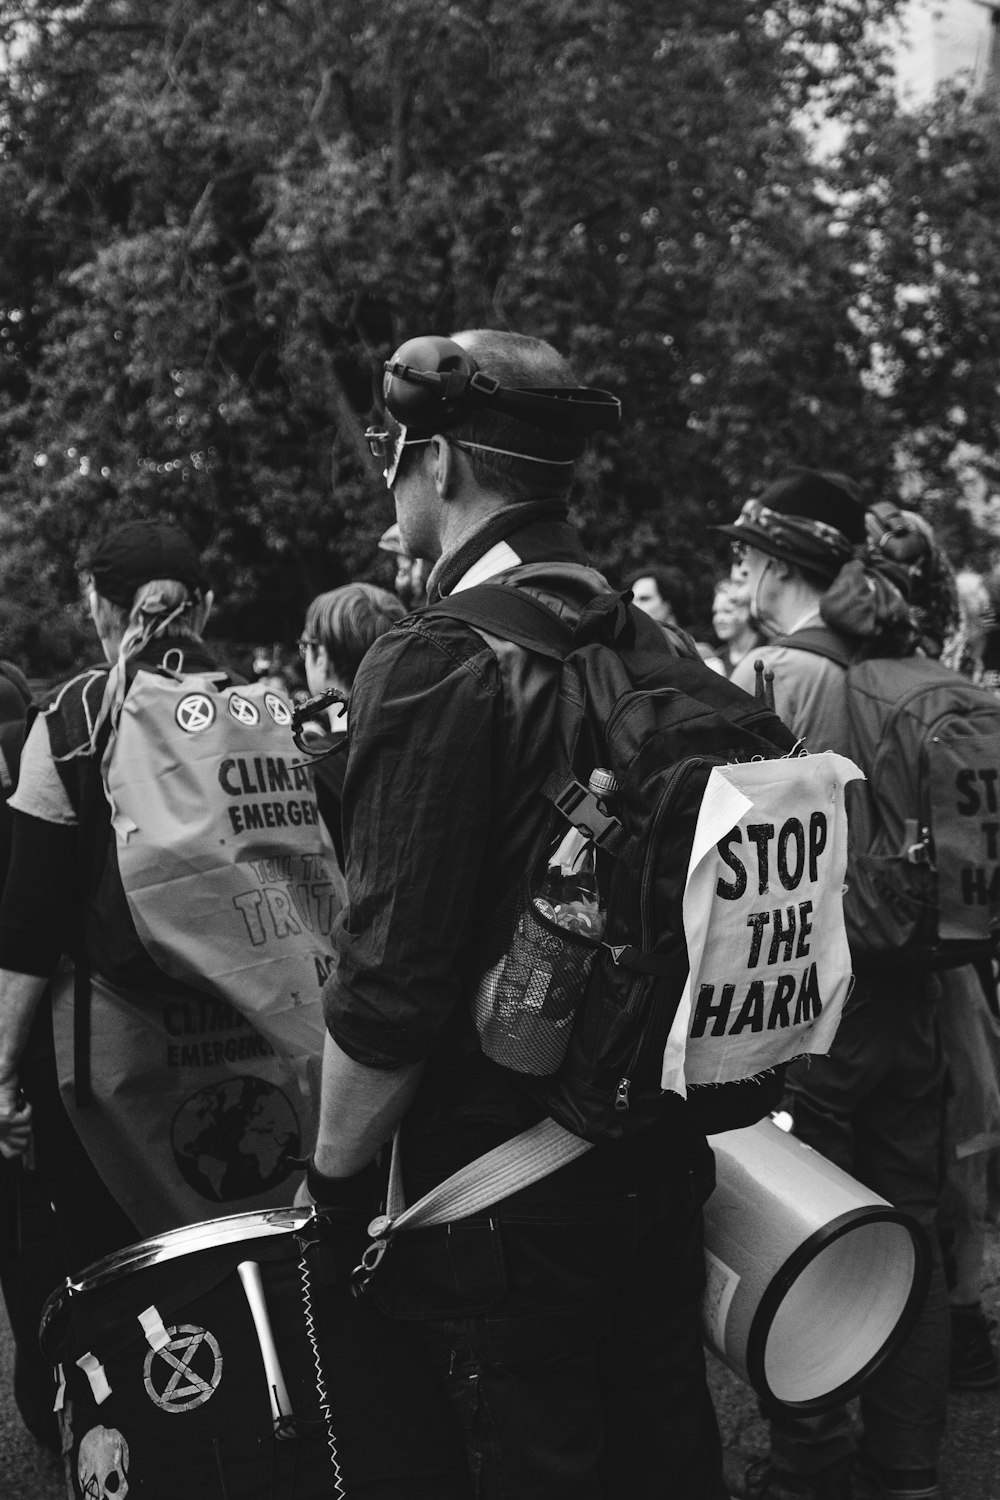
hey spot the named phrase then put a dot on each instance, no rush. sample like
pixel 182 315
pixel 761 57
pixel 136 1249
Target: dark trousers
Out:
pixel 57 1216
pixel 565 1326
pixel 31 1267
pixel 89 1223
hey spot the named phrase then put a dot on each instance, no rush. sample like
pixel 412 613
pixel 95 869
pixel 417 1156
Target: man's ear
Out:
pixel 445 466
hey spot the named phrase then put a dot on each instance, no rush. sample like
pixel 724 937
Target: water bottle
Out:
pixel 568 894
pixel 526 1003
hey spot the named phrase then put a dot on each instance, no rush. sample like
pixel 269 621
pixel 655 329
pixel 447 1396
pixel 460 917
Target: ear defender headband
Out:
pixel 432 383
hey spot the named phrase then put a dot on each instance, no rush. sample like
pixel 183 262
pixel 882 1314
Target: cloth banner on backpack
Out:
pixel 770 966
pixel 195 1114
pixel 230 875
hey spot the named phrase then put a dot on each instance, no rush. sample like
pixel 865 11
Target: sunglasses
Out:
pixel 388 447
pixel 304 642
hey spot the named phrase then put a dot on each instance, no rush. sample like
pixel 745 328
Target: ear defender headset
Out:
pixel 432 383
pixel 896 535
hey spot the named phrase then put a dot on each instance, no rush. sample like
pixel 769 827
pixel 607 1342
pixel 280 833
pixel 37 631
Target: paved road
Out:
pixel 971 1461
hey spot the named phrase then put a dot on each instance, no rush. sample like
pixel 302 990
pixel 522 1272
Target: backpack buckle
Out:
pixel 916 844
pixel 370 1261
pixel 581 808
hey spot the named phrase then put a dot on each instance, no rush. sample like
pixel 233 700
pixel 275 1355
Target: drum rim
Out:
pixel 207 1234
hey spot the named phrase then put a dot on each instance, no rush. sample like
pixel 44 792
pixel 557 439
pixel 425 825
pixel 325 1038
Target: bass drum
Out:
pixel 229 1360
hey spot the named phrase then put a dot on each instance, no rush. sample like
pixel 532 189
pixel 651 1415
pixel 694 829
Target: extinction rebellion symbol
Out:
pixel 195 713
pixel 184 1373
pixel 278 709
pixel 243 711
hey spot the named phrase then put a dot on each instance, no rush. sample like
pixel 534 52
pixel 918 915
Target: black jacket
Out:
pixel 448 749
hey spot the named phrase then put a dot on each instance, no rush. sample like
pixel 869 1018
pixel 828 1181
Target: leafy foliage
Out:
pixel 922 224
pixel 221 219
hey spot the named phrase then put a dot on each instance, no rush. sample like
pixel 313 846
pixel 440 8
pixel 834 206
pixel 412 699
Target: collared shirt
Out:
pixel 449 740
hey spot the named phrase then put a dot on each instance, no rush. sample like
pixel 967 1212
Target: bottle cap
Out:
pixel 602 782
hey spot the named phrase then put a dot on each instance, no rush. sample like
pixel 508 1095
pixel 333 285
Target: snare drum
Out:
pixel 229 1360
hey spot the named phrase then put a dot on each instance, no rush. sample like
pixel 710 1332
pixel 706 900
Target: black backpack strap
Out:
pixel 818 640
pixel 510 613
pixel 68 720
pixel 94 834
pixel 516 616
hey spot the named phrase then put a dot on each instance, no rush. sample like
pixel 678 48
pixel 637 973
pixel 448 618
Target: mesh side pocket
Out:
pixel 524 1005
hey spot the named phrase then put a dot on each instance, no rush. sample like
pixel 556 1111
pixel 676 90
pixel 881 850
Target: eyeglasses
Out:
pixel 304 643
pixel 388 447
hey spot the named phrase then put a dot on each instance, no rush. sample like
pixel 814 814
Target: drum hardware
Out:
pixel 282 1415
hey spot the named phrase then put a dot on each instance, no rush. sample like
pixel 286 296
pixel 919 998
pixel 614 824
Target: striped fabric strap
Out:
pixel 508 1168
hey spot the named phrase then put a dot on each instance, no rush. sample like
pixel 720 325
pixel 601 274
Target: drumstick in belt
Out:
pixel 281 1406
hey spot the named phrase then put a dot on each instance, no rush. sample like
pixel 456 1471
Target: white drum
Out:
pixel 813 1280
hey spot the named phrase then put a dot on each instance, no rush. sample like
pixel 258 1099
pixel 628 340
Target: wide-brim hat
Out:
pixel 138 553
pixel 807 517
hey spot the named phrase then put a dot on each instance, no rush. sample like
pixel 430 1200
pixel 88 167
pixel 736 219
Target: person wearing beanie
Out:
pixel 874 1106
pixel 146 590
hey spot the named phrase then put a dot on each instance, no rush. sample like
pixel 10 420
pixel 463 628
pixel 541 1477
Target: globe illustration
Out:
pixel 236 1139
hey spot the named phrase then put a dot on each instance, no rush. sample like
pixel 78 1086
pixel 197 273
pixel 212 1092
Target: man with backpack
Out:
pixel 563 1319
pixel 874 1106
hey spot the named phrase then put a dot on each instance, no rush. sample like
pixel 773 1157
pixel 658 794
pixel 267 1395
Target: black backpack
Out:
pixel 923 889
pixel 660 722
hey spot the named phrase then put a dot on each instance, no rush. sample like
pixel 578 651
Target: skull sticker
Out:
pixel 102 1465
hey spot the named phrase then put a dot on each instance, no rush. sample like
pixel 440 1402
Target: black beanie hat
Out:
pixel 138 552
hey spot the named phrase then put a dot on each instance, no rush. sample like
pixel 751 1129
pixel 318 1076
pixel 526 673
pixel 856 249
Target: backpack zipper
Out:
pixel 679 774
pixel 627 701
pixel 892 718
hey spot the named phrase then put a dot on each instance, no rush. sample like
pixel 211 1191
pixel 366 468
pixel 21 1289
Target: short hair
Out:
pixel 348 621
pixel 672 587
pixel 515 359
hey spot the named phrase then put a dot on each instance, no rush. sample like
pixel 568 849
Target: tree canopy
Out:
pixel 220 220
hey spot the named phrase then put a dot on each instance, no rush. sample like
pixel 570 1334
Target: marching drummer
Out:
pixel 151 1102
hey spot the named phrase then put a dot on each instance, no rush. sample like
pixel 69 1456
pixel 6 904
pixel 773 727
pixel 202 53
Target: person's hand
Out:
pixel 15 1119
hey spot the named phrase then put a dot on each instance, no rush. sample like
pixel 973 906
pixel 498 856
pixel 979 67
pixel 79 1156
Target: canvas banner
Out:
pixel 194 1113
pixel 770 966
pixel 230 875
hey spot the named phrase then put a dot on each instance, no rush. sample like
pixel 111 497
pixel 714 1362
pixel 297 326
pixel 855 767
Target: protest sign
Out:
pixel 770 966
